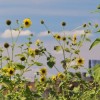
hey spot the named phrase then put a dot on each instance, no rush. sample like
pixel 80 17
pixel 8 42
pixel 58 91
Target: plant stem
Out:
pixel 17 37
pixel 8 53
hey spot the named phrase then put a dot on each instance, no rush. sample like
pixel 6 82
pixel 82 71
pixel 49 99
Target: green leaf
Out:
pixel 78 74
pixel 67 49
pixel 87 39
pixel 97 41
pixel 98 31
pixel 96 11
pixel 38 63
pixel 19 66
pixel 37 95
pixel 96 70
pixel 50 64
pixel 77 51
pixel 76 89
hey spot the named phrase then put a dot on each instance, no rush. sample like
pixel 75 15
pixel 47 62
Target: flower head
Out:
pixel 6 45
pixel 42 21
pixel 64 38
pixel 27 22
pixel 63 23
pixel 38 42
pixel 22 58
pixel 8 22
pixel 61 76
pixel 57 37
pixel 43 79
pixel 43 71
pixel 31 52
pixel 11 71
pixel 74 39
pixel 53 78
pixel 79 61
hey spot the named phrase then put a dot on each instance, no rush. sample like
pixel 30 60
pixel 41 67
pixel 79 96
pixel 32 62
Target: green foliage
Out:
pixel 64 85
pixel 97 41
pixel 96 73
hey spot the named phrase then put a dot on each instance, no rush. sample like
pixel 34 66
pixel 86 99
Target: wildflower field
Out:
pixel 64 85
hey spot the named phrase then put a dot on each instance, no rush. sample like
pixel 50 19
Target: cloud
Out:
pixel 7 33
pixel 43 34
pixel 78 32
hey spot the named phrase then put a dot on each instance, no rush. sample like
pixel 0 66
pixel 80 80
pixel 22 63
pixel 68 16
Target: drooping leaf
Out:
pixel 98 31
pixel 97 41
pixel 38 63
pixel 87 39
pixel 19 66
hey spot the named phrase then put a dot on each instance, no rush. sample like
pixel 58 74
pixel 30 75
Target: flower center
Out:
pixel 26 23
pixel 80 61
pixel 42 79
pixel 11 72
pixel 43 71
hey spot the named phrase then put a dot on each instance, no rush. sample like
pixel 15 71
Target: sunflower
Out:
pixel 38 42
pixel 79 61
pixel 43 79
pixel 43 71
pixel 27 22
pixel 53 78
pixel 61 76
pixel 57 37
pixel 31 52
pixel 64 38
pixel 11 71
pixel 74 38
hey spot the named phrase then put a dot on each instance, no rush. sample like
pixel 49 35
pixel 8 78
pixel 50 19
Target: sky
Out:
pixel 53 12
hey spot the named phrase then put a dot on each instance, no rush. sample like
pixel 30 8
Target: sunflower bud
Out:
pixel 8 22
pixel 6 45
pixel 48 32
pixel 64 38
pixel 63 23
pixel 22 58
pixel 37 51
pixel 30 42
pixel 42 21
pixel 84 25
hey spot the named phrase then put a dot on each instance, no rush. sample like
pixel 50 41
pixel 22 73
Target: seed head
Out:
pixel 8 22
pixel 6 45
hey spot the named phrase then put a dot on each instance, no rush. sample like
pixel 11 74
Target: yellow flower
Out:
pixel 11 71
pixel 79 61
pixel 61 76
pixel 57 37
pixel 31 52
pixel 64 38
pixel 27 22
pixel 38 42
pixel 43 71
pixel 43 79
pixel 74 38
pixel 53 78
